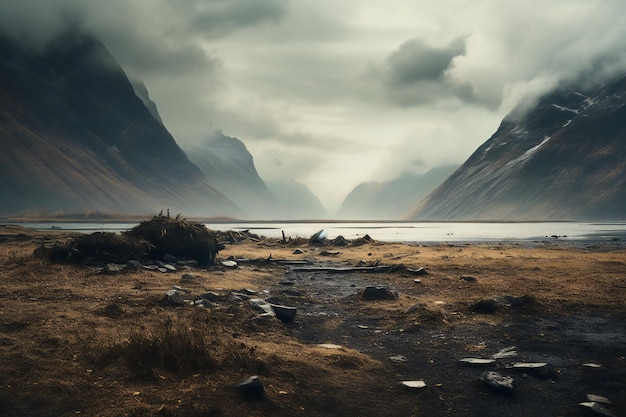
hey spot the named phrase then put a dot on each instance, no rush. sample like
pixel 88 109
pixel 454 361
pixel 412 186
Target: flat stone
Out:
pixel 497 381
pixel 229 264
pixel 329 346
pixel 285 314
pixel 298 252
pixel 597 408
pixel 251 388
pixel 529 365
pixel 398 358
pixel 598 399
pixel 507 352
pixel 329 253
pixel 468 278
pixel 592 365
pixel 413 385
pixel 477 361
pixel 262 306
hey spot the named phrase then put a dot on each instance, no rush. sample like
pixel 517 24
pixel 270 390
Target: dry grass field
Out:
pixel 76 341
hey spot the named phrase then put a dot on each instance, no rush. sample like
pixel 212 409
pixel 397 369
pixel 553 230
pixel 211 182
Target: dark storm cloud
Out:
pixel 415 61
pixel 414 74
pixel 220 17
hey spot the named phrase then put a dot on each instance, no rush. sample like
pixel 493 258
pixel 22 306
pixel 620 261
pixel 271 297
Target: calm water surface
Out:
pixel 400 231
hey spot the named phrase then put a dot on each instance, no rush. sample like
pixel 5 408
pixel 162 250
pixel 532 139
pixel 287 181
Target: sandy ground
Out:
pixel 75 341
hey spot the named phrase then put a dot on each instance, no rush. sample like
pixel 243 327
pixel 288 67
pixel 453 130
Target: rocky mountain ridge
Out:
pixel 563 159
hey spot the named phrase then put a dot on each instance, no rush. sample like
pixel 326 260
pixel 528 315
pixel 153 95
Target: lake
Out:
pixel 397 231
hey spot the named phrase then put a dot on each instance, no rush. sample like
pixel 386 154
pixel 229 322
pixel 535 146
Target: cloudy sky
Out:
pixel 335 93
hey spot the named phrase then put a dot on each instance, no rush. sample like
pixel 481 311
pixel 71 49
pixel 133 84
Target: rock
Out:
pixel 329 253
pixel 378 292
pixel 340 241
pixel 191 264
pixel 597 408
pixel 318 238
pixel 497 381
pixel 298 252
pixel 413 385
pixel 151 267
pixel 485 307
pixel 477 361
pixel 284 313
pixel 188 278
pixel 598 399
pixel 229 264
pixel 247 291
pixel 210 296
pixel 515 302
pixel 419 271
pixel 538 369
pixel 169 268
pixel 329 346
pixel 414 308
pixel 468 278
pixel 112 269
pixel 170 259
pixel 251 388
pixel 181 289
pixel 398 358
pixel 508 352
pixel 174 297
pixel 134 266
pixel 417 281
pixel 262 307
pixel 592 365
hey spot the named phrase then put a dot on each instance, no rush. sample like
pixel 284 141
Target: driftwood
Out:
pixel 364 269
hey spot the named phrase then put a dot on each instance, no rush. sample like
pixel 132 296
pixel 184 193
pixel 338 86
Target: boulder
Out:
pixel 134 266
pixel 251 388
pixel 284 313
pixel 174 297
pixel 497 381
pixel 378 292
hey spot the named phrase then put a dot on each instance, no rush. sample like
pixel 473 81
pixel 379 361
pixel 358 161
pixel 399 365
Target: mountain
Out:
pixel 298 198
pixel 392 199
pixel 230 165
pixel 75 137
pixel 564 158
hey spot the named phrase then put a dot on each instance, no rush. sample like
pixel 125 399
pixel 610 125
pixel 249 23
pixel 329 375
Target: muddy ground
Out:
pixel 76 341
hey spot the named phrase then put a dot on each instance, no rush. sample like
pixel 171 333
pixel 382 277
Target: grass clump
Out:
pixel 150 239
pixel 177 237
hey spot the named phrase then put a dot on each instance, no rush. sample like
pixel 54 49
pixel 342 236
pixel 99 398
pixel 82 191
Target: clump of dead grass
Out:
pixel 151 238
pixel 177 237
pixel 179 345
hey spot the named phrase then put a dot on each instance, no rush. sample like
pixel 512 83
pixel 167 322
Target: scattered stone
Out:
pixel 229 264
pixel 413 385
pixel 507 352
pixel 298 252
pixel 597 408
pixel 340 241
pixel 468 278
pixel 191 264
pixel 330 346
pixel 592 365
pixel 151 267
pixel 248 291
pixel 188 278
pixel 181 289
pixel 286 283
pixel 174 297
pixel 485 307
pixel 414 308
pixel 497 381
pixel 538 369
pixel 169 268
pixel 379 292
pixel 169 258
pixel 417 281
pixel 477 361
pixel 284 313
pixel 112 269
pixel 329 253
pixel 251 388
pixel 134 266
pixel 262 307
pixel 210 296
pixel 398 358
pixel 598 399
pixel 419 271
pixel 318 238
pixel 515 302
pixel 162 270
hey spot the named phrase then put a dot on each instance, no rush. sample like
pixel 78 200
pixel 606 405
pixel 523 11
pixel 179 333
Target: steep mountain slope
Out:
pixel 228 163
pixel 563 159
pixel 392 199
pixel 76 137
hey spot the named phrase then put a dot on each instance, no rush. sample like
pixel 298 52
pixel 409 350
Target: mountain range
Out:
pixel 563 158
pixel 391 199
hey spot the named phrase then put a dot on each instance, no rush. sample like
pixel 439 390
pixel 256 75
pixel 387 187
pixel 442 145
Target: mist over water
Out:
pixel 397 232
